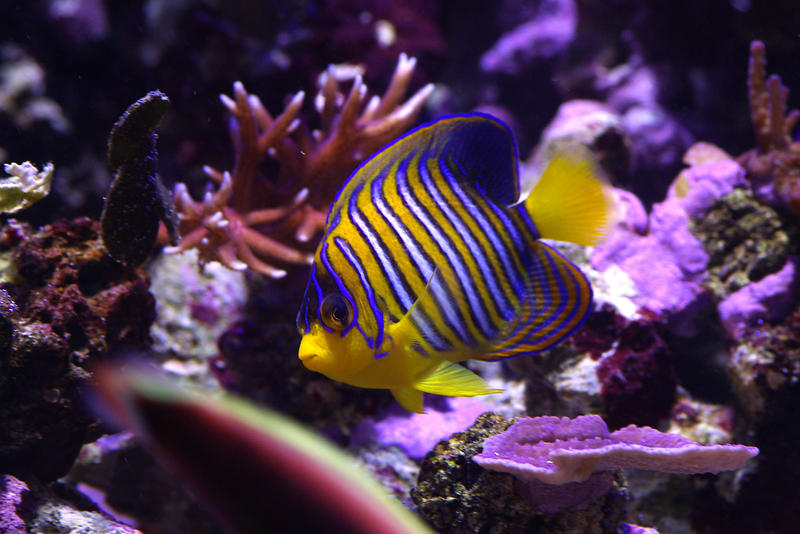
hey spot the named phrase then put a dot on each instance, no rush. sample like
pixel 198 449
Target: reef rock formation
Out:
pixel 64 304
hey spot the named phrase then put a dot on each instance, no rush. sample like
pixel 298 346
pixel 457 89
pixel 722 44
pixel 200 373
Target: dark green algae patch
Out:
pixel 745 239
pixel 137 200
pixel 457 496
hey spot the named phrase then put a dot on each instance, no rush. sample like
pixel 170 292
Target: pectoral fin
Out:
pixel 409 398
pixel 454 380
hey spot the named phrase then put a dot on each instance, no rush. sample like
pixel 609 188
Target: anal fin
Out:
pixel 409 398
pixel 454 380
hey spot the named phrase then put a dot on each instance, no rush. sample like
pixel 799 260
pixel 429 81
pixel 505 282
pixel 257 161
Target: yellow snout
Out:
pixel 336 356
pixel 309 350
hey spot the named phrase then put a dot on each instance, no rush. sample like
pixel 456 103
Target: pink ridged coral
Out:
pixel 560 450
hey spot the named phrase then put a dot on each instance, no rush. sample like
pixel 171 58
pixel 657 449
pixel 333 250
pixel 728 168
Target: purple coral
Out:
pixel 560 450
pixel 671 285
pixel 545 36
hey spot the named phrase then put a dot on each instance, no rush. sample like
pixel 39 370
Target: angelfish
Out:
pixel 430 257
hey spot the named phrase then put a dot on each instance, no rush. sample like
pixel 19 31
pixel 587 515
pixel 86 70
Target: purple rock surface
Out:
pixel 704 184
pixel 658 139
pixel 627 528
pixel 546 35
pixel 417 434
pixel 12 494
pixel 770 299
pixel 554 498
pixel 667 263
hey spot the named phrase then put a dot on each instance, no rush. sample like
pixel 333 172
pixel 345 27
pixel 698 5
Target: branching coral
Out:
pixel 776 162
pixel 253 221
pixel 773 127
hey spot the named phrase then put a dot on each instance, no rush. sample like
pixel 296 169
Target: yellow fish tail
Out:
pixel 571 202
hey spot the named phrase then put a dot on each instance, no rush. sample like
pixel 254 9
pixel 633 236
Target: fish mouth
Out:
pixel 307 357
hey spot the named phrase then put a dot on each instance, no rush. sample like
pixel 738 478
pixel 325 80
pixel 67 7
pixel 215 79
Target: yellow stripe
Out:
pixel 431 248
pixel 439 257
pixel 405 262
pixel 484 246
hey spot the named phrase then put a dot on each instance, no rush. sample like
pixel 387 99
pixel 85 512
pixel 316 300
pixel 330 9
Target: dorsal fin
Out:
pixel 476 150
pixel 479 150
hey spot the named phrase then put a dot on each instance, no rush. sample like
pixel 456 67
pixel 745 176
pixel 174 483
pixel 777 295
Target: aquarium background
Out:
pixel 696 317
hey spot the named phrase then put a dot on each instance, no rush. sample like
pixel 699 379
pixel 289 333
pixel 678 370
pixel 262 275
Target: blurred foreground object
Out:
pixel 257 470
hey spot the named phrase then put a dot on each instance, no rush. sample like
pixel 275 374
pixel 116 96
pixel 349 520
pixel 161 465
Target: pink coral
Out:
pixel 253 221
pixel 560 450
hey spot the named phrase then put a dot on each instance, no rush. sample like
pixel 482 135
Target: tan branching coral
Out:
pixel 776 161
pixel 773 127
pixel 255 221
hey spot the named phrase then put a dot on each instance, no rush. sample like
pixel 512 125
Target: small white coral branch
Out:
pixel 25 185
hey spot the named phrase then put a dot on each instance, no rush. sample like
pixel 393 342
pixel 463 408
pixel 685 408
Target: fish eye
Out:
pixel 336 312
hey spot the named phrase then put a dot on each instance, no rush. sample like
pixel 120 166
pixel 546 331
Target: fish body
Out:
pixel 430 258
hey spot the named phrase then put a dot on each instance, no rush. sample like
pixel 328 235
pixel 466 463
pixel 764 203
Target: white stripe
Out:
pixel 475 249
pixel 488 229
pixel 388 266
pixel 475 301
pixel 433 230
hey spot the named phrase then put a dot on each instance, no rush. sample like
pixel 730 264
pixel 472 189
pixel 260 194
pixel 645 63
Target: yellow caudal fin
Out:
pixel 409 398
pixel 454 380
pixel 571 201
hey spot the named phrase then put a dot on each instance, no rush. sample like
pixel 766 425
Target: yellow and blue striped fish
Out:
pixel 430 258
